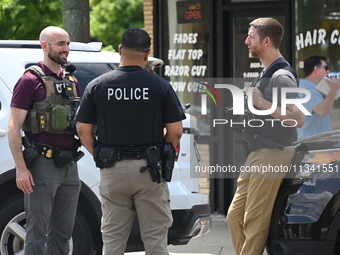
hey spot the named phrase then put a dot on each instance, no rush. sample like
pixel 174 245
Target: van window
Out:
pixel 86 72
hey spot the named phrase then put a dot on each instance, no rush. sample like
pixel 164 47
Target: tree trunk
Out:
pixel 76 19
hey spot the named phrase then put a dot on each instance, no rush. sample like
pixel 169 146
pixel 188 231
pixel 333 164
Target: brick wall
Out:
pixel 148 20
pixel 204 177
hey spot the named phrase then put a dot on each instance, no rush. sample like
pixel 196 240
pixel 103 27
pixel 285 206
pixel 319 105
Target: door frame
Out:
pixel 222 190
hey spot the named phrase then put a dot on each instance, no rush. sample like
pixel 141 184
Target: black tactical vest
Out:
pixel 129 115
pixel 270 129
pixel 55 114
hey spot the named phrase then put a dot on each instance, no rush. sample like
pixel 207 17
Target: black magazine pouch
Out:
pixel 104 157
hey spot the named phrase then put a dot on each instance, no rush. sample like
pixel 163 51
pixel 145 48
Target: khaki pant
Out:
pixel 250 211
pixel 126 192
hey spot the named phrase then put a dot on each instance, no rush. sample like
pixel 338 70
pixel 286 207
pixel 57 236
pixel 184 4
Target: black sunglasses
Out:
pixel 325 66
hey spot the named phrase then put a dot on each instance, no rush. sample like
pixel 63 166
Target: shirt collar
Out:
pixel 48 72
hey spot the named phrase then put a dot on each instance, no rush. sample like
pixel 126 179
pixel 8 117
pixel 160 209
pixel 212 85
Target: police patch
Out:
pixel 127 94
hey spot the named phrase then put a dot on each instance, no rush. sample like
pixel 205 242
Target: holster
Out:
pixel 152 155
pixel 30 152
pixel 239 121
pixel 168 161
pixel 245 147
pixel 30 156
pixel 62 157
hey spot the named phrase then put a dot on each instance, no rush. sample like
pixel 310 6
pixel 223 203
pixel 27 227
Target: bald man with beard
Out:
pixel 51 185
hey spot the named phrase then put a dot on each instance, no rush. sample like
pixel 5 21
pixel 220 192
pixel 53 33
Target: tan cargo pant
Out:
pixel 250 211
pixel 125 191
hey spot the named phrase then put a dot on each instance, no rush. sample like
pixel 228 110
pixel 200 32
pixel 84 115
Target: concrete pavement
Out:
pixel 216 242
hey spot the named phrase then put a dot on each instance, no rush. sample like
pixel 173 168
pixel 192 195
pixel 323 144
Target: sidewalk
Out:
pixel 216 242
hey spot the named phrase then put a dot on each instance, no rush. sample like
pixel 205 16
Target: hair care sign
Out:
pixel 317 36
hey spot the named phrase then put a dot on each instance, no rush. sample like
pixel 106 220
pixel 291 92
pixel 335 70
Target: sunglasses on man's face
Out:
pixel 325 66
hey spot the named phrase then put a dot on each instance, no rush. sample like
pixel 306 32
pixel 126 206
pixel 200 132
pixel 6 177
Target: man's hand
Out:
pixel 24 180
pixel 257 97
pixel 326 105
pixel 334 85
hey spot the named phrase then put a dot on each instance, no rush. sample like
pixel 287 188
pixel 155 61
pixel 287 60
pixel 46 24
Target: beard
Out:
pixel 256 53
pixel 56 58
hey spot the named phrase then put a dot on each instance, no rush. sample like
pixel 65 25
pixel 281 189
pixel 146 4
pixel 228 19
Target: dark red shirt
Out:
pixel 29 89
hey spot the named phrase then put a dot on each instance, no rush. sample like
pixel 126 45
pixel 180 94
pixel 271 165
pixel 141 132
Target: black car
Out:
pixel 306 216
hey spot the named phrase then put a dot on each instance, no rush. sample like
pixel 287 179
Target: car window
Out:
pixel 86 72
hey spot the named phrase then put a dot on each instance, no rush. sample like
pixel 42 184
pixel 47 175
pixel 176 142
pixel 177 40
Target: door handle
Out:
pixel 3 133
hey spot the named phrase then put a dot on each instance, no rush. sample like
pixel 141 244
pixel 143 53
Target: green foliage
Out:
pixel 110 18
pixel 109 48
pixel 24 19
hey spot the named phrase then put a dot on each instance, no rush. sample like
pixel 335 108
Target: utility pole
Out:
pixel 76 19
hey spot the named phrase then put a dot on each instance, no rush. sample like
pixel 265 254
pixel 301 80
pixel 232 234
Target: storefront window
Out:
pixel 318 33
pixel 185 41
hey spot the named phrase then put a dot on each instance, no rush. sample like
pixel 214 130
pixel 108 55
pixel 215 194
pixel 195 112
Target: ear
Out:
pixel 120 49
pixel 316 69
pixel 146 56
pixel 44 45
pixel 266 41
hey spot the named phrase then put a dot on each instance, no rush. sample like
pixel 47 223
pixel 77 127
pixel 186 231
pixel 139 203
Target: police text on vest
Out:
pixel 127 94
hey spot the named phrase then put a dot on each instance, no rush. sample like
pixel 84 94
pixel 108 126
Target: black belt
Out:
pixel 259 142
pixel 131 152
pixel 121 155
pixel 47 150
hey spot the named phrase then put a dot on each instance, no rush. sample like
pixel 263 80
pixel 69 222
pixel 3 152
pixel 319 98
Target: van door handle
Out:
pixel 2 133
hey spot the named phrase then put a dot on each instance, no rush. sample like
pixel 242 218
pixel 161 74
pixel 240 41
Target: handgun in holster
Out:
pixel 30 152
pixel 168 161
pixel 152 155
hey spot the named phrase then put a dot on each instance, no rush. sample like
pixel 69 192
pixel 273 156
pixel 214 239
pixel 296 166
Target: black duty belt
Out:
pixel 133 154
pixel 48 151
pixel 61 157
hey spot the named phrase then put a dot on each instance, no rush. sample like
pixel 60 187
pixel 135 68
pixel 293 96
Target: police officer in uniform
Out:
pixel 47 174
pixel 129 107
pixel 270 145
